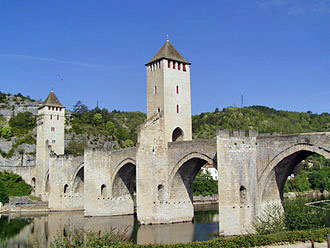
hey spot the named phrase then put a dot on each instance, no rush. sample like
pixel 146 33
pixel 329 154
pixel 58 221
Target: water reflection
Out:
pixel 42 229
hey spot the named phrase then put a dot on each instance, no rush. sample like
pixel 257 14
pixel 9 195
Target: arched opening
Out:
pixel 177 134
pixel 124 183
pixel 47 186
pixel 33 183
pixel 103 189
pixel 65 189
pixel 182 186
pixel 78 184
pixel 299 171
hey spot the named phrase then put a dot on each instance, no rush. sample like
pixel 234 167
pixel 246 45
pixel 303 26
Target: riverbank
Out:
pixel 310 194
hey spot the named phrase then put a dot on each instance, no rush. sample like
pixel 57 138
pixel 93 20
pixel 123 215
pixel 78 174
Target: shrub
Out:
pixel 22 123
pixel 270 221
pixel 14 184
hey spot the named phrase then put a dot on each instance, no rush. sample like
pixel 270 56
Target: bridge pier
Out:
pixel 236 155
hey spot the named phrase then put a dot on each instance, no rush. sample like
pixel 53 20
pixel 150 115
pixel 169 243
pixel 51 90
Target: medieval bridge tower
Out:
pixel 168 92
pixel 50 139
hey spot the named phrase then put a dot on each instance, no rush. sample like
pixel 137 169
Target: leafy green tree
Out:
pixel 320 179
pixel 79 108
pixel 14 184
pixel 97 119
pixel 204 184
pixel 110 127
pixel 22 123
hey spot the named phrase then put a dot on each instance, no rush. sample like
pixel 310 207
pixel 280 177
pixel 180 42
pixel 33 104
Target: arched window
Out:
pixel 177 89
pixel 184 67
pixel 66 188
pixel 177 108
pixel 155 89
pixel 169 63
pixel 103 189
pixel 33 182
pixel 174 64
pixel 179 66
pixel 177 134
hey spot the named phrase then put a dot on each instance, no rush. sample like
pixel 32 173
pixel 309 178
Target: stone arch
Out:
pixel 274 175
pixel 124 179
pixel 177 134
pixel 183 174
pixel 79 179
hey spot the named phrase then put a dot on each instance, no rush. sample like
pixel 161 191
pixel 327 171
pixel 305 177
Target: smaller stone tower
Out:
pixel 168 92
pixel 50 137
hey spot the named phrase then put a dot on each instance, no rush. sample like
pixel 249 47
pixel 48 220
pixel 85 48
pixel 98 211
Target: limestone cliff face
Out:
pixel 11 105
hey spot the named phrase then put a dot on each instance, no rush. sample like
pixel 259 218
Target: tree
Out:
pixel 79 108
pixel 204 184
pixel 22 123
pixel 3 193
pixel 97 118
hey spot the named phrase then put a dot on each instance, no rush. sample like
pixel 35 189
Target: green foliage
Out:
pixel 312 174
pixel 3 193
pixel 128 143
pixel 118 126
pixel 299 183
pixel 90 239
pixel 14 184
pixel 298 216
pixel 271 221
pixel 75 148
pixel 3 121
pixel 11 227
pixel 263 119
pixel 247 241
pixel 204 184
pixel 6 132
pixel 22 123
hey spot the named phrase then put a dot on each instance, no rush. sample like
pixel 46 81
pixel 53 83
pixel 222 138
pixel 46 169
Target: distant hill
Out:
pixel 116 129
pixel 261 118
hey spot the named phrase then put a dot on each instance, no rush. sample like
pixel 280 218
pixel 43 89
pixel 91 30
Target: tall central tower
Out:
pixel 168 92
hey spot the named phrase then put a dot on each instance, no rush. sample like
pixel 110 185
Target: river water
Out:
pixel 25 231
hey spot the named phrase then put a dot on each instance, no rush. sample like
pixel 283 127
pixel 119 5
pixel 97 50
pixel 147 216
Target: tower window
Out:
pixel 174 64
pixel 177 108
pixel 179 66
pixel 51 117
pixel 184 67
pixel 53 141
pixel 169 63
pixel 158 109
pixel 58 117
pixel 52 129
pixel 155 89
pixel 177 89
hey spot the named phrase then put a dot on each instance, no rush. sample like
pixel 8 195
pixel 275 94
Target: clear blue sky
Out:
pixel 274 52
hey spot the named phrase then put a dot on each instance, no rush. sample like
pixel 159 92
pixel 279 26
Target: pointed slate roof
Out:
pixel 168 51
pixel 52 101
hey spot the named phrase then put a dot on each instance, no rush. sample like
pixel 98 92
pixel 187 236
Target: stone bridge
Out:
pixel 253 170
pixel 155 179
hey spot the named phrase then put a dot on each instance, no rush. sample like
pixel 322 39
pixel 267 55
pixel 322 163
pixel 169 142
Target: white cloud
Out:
pixel 52 60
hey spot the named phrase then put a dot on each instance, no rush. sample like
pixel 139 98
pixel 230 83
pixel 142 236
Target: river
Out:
pixel 26 230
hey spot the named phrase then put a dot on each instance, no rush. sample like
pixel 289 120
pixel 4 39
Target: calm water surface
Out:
pixel 24 231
